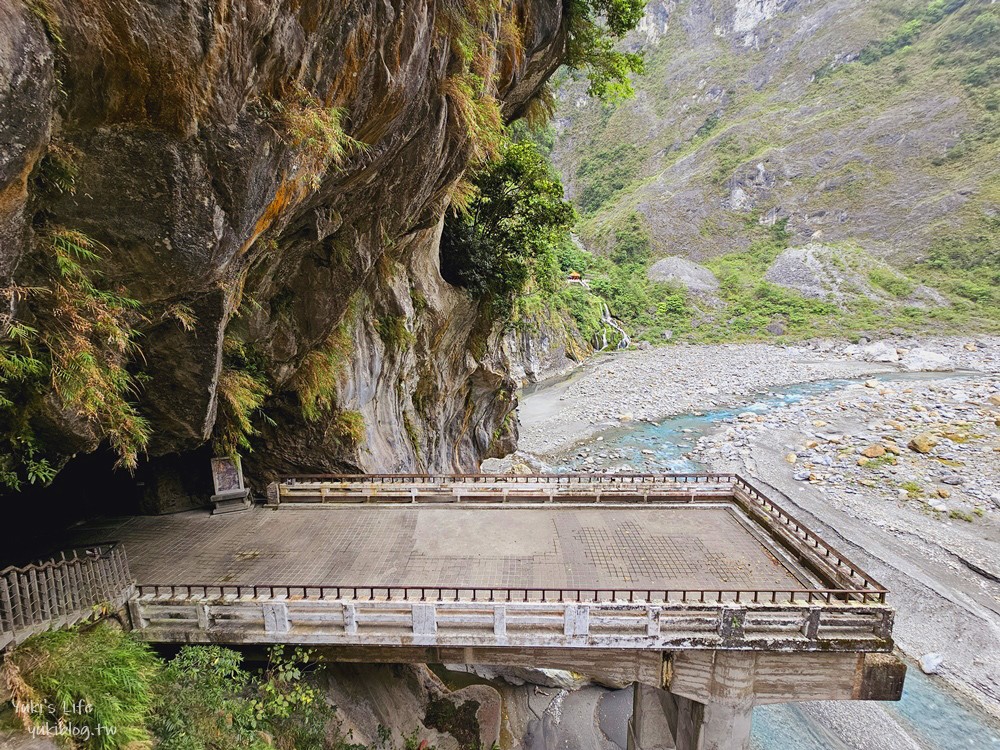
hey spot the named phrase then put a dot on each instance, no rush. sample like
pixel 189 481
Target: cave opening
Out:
pixel 39 520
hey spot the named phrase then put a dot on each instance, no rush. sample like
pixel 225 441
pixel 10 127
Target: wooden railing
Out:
pixel 62 592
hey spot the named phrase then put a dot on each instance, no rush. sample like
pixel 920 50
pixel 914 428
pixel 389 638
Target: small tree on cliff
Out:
pixel 508 229
pixel 595 27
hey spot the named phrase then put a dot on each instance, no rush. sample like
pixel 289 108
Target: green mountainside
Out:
pixel 855 142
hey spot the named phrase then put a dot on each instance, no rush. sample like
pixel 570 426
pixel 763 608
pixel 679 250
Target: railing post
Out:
pixel 424 624
pixel 811 629
pixel 36 595
pixel 500 622
pixel 276 617
pixel 350 618
pixel 18 618
pixel 69 598
pixel 6 607
pixel 731 623
pixel 653 621
pixel 576 620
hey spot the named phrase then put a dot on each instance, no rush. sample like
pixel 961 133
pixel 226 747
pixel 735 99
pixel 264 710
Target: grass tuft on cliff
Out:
pixel 76 341
pixel 97 681
pixel 243 388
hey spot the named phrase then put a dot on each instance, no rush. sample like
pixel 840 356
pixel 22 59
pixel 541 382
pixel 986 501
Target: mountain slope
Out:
pixel 868 126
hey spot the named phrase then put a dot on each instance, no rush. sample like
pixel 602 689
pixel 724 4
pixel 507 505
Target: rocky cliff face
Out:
pixel 544 345
pixel 268 181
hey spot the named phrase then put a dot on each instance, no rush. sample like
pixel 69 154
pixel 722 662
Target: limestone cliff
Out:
pixel 544 344
pixel 267 181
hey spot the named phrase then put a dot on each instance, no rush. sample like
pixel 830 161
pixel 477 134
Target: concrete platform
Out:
pixel 676 547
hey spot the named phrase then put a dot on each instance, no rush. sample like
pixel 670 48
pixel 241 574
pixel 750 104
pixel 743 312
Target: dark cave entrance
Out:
pixel 38 520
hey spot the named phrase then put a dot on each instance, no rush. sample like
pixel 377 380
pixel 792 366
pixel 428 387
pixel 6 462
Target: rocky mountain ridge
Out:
pixel 869 128
pixel 767 110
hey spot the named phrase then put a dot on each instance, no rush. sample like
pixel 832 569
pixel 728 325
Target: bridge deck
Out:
pixel 642 562
pixel 556 547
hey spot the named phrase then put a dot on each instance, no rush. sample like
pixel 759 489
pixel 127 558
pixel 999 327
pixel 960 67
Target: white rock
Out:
pixel 930 663
pixel 917 360
pixel 880 351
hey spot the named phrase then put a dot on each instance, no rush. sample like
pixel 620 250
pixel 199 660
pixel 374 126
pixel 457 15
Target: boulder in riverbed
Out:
pixel 923 443
pixel 924 360
pixel 931 663
pixel 880 351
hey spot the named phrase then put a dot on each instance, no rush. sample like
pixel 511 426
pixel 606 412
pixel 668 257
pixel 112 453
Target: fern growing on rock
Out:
pixel 78 347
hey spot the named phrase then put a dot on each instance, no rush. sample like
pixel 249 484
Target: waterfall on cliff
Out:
pixel 624 342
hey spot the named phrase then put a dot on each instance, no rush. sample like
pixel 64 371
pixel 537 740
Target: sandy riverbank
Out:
pixel 613 389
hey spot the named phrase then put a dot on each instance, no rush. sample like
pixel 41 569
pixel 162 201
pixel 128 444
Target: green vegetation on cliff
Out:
pixel 75 346
pixel 100 689
pixel 506 233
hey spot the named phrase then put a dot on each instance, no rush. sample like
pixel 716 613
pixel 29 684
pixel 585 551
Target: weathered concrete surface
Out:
pixel 674 547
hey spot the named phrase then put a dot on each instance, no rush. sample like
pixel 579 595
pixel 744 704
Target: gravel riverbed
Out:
pixel 614 389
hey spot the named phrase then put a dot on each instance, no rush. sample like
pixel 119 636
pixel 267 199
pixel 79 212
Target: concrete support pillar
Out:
pixel 709 697
pixel 664 721
pixel 720 720
pixel 726 721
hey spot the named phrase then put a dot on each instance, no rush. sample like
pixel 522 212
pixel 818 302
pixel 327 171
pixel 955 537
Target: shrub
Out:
pixel 207 700
pixel 200 701
pixel 895 284
pixel 97 683
pixel 605 173
pixel 594 28
pixel 474 110
pixel 632 243
pixel 316 132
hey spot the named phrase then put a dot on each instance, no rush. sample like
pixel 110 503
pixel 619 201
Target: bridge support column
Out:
pixel 719 720
pixel 709 696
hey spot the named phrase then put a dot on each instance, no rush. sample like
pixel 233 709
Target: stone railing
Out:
pixel 62 592
pixel 806 620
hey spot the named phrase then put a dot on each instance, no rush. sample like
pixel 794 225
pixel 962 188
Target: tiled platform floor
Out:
pixel 661 547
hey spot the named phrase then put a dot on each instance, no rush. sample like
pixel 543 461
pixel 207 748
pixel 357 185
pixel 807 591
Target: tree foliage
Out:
pixel 508 228
pixel 595 28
